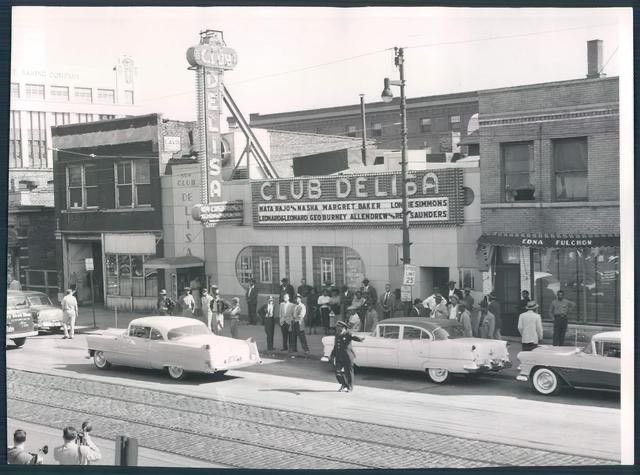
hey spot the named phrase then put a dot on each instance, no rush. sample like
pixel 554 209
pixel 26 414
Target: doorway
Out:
pixel 507 290
pixel 432 278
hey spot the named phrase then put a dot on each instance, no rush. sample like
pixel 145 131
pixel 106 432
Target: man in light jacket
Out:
pixel 73 454
pixel 69 314
pixel 487 321
pixel 286 318
pixel 530 327
pixel 464 317
pixel 297 327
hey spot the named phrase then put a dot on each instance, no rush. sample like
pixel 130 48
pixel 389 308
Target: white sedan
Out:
pixel 177 344
pixel 436 347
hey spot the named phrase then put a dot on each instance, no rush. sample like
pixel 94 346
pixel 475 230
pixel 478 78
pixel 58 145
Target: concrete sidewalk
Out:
pixel 106 318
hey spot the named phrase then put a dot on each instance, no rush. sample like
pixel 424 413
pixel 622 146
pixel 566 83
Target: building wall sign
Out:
pixel 434 197
pixel 223 212
pixel 172 144
pixel 210 59
pixel 559 242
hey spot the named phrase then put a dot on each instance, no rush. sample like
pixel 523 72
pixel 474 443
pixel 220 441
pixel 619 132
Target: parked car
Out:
pixel 46 316
pixel 596 366
pixel 436 347
pixel 19 324
pixel 176 344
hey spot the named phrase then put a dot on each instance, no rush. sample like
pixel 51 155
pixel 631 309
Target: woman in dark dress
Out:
pixel 343 356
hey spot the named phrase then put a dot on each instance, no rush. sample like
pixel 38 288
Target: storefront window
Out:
pixel 245 270
pixel 127 276
pixel 327 270
pixel 589 277
pixel 265 270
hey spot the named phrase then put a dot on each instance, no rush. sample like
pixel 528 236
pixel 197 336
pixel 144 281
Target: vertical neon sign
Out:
pixel 210 59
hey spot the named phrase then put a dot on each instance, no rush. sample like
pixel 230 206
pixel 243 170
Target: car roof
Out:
pixel 608 336
pixel 426 323
pixel 165 323
pixel 25 292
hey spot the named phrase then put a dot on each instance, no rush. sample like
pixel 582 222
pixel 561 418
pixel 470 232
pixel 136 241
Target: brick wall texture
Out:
pixel 539 115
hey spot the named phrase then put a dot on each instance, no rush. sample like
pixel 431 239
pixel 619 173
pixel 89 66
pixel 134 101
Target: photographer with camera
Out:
pixel 78 448
pixel 18 455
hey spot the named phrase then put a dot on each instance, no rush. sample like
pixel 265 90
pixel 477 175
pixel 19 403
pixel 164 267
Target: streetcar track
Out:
pixel 303 433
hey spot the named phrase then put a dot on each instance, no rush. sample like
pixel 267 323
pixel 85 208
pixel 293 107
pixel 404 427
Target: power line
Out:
pixel 426 45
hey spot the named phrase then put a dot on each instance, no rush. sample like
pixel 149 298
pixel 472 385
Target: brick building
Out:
pixel 550 198
pixel 435 124
pixel 109 207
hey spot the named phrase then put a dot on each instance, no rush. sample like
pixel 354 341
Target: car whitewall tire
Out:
pixel 545 381
pixel 100 361
pixel 438 375
pixel 175 372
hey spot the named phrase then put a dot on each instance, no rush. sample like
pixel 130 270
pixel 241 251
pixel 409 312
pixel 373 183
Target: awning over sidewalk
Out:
pixel 550 240
pixel 180 262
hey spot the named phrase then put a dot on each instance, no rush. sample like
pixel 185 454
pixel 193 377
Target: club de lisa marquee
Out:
pixel 435 197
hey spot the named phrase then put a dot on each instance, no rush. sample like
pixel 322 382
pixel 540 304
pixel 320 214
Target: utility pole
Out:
pixel 364 130
pixel 406 244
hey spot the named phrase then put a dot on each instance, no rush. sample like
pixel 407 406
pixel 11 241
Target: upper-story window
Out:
pixel 377 130
pixel 425 124
pixel 85 117
pixel 570 159
pixel 82 186
pixel 351 130
pixel 15 90
pixel 35 91
pixel 106 96
pixel 454 122
pixel 37 139
pixel 133 184
pixel 59 93
pixel 15 140
pixel 517 166
pixel 128 97
pixel 83 94
pixel 327 270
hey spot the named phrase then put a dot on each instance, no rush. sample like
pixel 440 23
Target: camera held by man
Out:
pixel 18 454
pixel 78 448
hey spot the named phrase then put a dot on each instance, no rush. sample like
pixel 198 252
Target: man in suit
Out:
pixel 487 322
pixel 530 327
pixel 387 302
pixel 452 290
pixel 267 314
pixel 370 299
pixel 252 301
pixel 343 356
pixel 286 319
pixel 297 327
pixel 286 288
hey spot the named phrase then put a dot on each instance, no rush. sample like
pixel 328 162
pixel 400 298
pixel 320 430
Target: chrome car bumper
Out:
pixel 483 368
pixel 522 377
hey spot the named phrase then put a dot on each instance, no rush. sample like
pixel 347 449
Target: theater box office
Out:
pixel 339 229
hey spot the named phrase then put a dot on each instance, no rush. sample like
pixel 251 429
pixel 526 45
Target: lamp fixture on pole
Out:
pixel 387 96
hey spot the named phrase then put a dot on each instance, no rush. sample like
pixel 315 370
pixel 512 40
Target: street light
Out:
pixel 387 96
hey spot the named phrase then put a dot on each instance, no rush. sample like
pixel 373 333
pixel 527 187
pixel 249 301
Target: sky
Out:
pixel 305 58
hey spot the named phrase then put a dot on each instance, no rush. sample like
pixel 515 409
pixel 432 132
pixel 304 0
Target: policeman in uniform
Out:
pixel 342 356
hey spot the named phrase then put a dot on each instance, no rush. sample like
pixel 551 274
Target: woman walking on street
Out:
pixel 343 356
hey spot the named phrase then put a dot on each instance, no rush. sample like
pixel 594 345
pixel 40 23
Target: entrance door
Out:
pixel 508 293
pixel 98 289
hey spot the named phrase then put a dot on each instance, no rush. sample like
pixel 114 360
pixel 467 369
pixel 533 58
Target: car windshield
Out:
pixel 187 330
pixel 16 301
pixel 451 332
pixel 39 300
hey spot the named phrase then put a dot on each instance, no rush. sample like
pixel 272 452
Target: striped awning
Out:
pixel 550 240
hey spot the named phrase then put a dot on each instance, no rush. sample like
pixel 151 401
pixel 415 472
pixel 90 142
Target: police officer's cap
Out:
pixel 341 324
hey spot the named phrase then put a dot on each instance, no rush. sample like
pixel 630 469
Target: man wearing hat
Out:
pixel 370 299
pixel 530 327
pixel 207 310
pixel 487 321
pixel 69 313
pixel 234 315
pixel 440 310
pixel 286 288
pixel 267 314
pixel 451 291
pixel 297 327
pixel 165 304
pixel 343 356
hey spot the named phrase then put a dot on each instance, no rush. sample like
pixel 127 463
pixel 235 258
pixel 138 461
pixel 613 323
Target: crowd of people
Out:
pixel 308 310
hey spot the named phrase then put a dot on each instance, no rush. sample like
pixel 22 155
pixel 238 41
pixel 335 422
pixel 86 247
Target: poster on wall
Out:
pixel 354 272
pixel 434 197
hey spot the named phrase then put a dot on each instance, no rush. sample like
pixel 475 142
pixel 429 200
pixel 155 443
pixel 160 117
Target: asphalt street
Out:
pixel 290 406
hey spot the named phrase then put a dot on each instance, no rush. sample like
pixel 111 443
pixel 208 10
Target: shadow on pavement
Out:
pixel 298 392
pixel 142 374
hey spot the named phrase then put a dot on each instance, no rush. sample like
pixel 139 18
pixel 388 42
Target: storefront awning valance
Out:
pixel 550 240
pixel 181 262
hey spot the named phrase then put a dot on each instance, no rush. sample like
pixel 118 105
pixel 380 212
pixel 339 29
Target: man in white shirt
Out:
pixel 286 318
pixel 73 454
pixel 187 303
pixel 530 327
pixel 207 311
pixel 69 314
pixel 440 310
pixel 453 307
